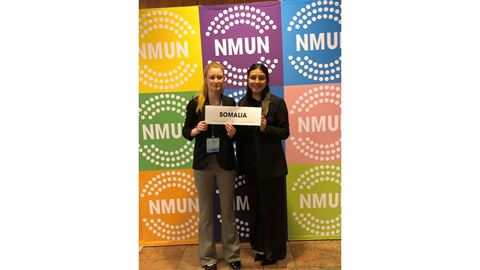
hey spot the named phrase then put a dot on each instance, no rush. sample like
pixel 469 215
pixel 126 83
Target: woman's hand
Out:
pixel 201 127
pixel 263 124
pixel 231 130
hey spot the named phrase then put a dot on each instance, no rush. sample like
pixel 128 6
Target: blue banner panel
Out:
pixel 311 42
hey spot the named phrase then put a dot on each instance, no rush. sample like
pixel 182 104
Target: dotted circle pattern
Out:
pixel 237 95
pixel 164 19
pixel 167 80
pixel 167 180
pixel 242 226
pixel 321 227
pixel 322 72
pixel 167 231
pixel 315 96
pixel 308 179
pixel 154 187
pixel 317 174
pixel 238 76
pixel 153 107
pixel 319 10
pixel 323 94
pixel 162 102
pixel 239 181
pixel 242 14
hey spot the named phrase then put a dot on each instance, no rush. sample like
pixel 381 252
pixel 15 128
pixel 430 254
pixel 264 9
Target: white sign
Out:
pixel 243 116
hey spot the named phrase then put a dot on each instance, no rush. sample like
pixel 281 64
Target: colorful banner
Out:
pixel 162 145
pixel 170 51
pixel 299 42
pixel 168 207
pixel 244 33
pixel 314 115
pixel 314 201
pixel 311 41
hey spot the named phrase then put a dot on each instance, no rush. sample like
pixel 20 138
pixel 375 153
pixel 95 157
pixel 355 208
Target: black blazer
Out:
pixel 269 155
pixel 226 156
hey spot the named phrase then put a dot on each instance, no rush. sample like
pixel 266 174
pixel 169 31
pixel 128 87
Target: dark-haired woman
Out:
pixel 262 159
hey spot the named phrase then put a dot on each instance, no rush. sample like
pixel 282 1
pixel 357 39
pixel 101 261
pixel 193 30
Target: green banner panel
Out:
pixel 314 201
pixel 161 144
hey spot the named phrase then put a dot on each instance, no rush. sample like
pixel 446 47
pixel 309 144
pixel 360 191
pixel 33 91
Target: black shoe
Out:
pixel 210 267
pixel 268 261
pixel 235 265
pixel 260 256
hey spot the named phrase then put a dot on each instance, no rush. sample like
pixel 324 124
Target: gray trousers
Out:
pixel 205 182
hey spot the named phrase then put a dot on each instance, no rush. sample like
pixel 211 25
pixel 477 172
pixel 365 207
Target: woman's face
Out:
pixel 257 81
pixel 215 80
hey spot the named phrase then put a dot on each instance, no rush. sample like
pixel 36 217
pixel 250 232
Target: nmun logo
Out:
pixel 239 35
pixel 312 42
pixel 161 121
pixel 314 201
pixel 169 50
pixel 315 123
pixel 169 205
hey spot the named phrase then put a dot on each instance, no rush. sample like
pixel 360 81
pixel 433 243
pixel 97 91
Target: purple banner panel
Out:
pixel 242 34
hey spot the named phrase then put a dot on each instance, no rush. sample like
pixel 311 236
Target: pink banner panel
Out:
pixel 314 114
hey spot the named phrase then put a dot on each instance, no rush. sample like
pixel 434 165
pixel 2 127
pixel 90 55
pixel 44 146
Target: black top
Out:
pixel 267 151
pixel 226 156
pixel 248 132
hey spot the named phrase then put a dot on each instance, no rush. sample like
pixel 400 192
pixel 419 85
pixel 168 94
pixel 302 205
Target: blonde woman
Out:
pixel 213 162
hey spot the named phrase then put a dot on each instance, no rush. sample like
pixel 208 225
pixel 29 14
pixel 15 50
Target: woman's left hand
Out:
pixel 263 124
pixel 231 130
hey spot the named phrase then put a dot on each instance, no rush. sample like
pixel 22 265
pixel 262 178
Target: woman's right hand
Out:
pixel 201 127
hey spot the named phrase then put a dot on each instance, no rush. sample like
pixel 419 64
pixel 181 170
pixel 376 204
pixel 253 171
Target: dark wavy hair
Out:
pixel 264 69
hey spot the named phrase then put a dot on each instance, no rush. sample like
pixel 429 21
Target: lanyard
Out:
pixel 213 126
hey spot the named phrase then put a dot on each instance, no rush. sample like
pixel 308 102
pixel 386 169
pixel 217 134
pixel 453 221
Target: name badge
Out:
pixel 213 145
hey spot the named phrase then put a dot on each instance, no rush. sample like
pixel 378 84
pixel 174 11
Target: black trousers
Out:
pixel 268 214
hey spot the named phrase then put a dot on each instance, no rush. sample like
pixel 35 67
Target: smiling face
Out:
pixel 215 79
pixel 257 81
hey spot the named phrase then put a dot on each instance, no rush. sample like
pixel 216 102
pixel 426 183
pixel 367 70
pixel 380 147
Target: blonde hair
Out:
pixel 202 95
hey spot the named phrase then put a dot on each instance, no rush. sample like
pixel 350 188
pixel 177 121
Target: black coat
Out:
pixel 269 155
pixel 226 156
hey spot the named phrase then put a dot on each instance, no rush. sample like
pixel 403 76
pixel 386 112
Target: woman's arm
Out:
pixel 189 130
pixel 279 128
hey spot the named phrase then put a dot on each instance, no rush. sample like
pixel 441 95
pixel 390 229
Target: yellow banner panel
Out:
pixel 170 51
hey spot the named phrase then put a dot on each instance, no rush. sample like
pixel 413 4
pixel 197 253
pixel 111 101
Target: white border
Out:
pixel 69 158
pixel 410 133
